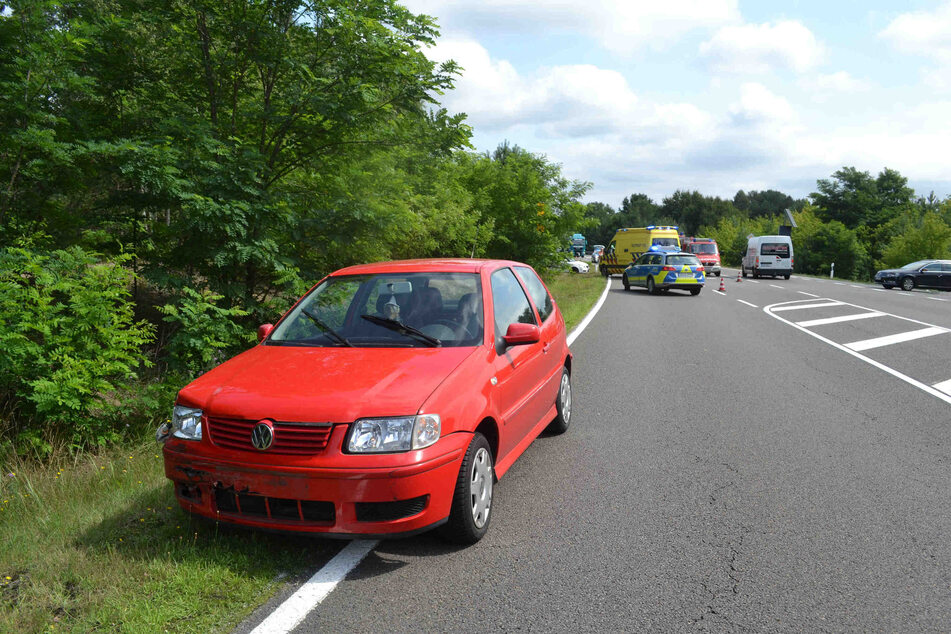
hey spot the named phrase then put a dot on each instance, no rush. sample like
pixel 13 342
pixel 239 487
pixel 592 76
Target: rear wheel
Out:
pixel 472 499
pixel 786 276
pixel 717 273
pixel 650 286
pixel 625 283
pixel 562 405
pixel 743 270
pixel 907 284
pixel 695 291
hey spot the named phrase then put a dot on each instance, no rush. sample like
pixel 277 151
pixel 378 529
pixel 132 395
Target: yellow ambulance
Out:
pixel 628 244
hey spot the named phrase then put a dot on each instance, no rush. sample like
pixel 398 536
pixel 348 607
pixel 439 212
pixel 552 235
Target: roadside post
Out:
pixel 832 271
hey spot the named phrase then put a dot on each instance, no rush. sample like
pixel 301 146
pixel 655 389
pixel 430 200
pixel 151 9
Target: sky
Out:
pixel 710 95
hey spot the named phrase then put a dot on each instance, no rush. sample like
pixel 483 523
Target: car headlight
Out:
pixel 186 422
pixel 387 435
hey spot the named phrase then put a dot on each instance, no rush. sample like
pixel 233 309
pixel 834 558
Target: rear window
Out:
pixel 681 260
pixel 703 248
pixel 665 242
pixel 775 248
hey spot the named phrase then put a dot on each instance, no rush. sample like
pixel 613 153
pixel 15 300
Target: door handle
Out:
pixel 546 347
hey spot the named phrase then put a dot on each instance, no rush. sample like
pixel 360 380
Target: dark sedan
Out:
pixel 920 274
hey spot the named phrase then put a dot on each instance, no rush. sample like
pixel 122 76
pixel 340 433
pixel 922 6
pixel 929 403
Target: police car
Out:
pixel 661 270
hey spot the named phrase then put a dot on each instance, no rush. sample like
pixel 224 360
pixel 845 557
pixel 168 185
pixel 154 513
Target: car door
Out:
pixel 929 276
pixel 519 371
pixel 552 331
pixel 946 276
pixel 638 274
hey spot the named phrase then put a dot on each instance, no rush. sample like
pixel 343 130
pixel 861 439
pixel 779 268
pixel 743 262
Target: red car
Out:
pixel 388 401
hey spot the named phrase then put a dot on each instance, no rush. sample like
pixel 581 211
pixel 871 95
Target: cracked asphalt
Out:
pixel 723 472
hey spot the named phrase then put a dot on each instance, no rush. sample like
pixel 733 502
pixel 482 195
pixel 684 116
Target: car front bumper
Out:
pixel 400 494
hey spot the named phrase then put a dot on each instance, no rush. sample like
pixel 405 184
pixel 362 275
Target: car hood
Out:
pixel 892 271
pixel 322 384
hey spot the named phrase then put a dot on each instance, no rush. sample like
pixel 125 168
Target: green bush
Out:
pixel 206 334
pixel 70 346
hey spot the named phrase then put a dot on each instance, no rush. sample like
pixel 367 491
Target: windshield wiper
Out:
pixel 333 334
pixel 402 328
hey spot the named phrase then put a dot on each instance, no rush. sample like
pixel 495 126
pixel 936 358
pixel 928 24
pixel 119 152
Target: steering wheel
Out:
pixel 451 323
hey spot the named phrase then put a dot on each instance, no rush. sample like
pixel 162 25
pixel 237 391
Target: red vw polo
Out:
pixel 387 401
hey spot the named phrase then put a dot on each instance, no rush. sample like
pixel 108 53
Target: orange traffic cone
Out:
pixel 738 278
pixel 722 288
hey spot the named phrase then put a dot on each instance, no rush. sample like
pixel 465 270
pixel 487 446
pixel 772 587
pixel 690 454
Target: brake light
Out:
pixel 699 269
pixel 668 268
pixel 757 261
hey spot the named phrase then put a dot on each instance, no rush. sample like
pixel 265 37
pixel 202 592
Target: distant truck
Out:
pixel 579 244
pixel 629 243
pixel 707 252
pixel 768 255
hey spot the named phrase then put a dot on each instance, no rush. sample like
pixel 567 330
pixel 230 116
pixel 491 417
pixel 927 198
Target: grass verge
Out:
pixel 98 543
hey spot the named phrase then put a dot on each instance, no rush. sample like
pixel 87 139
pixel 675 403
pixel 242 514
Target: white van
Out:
pixel 768 255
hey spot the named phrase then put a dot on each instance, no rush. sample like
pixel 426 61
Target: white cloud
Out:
pixel 763 48
pixel 926 33
pixel 758 104
pixel 622 27
pixel 825 87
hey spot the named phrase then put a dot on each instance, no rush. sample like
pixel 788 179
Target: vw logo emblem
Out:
pixel 262 436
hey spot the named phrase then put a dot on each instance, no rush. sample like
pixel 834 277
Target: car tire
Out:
pixel 743 270
pixel 888 286
pixel 651 288
pixel 562 405
pixel 786 277
pixel 625 283
pixel 695 291
pixel 907 283
pixel 471 508
pixel 717 273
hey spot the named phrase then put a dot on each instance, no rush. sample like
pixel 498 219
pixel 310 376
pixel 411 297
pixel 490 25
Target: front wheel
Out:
pixel 625 282
pixel 562 405
pixel 472 499
pixel 907 284
pixel 650 286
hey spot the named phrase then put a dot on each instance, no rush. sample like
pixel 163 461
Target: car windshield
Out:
pixel 680 260
pixel 665 242
pixel 703 248
pixel 387 310
pixel 775 248
pixel 918 264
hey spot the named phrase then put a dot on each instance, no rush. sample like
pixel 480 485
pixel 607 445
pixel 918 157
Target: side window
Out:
pixel 537 290
pixel 510 304
pixel 656 259
pixel 642 260
pixel 946 268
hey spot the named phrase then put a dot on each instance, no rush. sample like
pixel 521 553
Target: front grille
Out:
pixel 230 502
pixel 389 511
pixel 300 439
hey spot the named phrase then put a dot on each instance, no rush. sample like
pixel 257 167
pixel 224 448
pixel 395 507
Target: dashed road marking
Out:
pixel 775 286
pixel 858 286
pixel 938 299
pixel 753 282
pixel 901 337
pixel 807 294
pixel 841 284
pixel 747 303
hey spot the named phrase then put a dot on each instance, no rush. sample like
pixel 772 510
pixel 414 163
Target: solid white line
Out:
pixel 774 286
pixel 803 306
pixel 747 303
pixel 289 614
pixel 836 320
pixel 904 377
pixel 805 293
pixel 944 386
pixel 901 337
pixel 594 311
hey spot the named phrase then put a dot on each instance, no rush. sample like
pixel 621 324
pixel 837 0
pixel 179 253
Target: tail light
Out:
pixel 668 268
pixel 699 269
pixel 757 261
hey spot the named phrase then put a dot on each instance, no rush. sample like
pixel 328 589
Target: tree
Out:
pixel 691 210
pixel 927 237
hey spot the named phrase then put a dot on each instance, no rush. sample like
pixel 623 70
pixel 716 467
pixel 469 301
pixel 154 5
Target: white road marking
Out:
pixel 901 337
pixel 841 284
pixel 594 311
pixel 769 310
pixel 718 291
pixel 835 320
pixel 831 302
pixel 944 386
pixel 808 294
pixel 938 299
pixel 753 282
pixel 747 303
pixel 880 290
pixel 859 286
pixel 289 614
pixel 774 286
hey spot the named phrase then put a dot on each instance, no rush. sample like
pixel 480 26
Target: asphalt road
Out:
pixel 725 470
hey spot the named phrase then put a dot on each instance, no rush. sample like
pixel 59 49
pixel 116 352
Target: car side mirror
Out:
pixel 264 330
pixel 521 334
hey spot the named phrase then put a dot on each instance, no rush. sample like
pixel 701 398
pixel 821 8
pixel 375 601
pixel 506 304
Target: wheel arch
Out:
pixel 490 429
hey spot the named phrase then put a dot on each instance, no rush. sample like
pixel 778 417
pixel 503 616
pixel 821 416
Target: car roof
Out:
pixel 442 265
